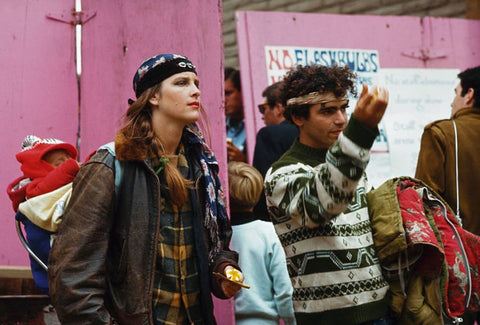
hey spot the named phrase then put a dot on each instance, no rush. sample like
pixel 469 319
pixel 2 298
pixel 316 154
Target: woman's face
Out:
pixel 178 100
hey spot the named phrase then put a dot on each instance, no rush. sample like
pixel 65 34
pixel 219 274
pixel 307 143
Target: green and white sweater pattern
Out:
pixel 317 201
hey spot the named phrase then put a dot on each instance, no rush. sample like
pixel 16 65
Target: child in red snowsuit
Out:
pixel 47 164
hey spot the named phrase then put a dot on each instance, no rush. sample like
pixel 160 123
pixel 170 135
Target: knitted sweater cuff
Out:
pixel 359 133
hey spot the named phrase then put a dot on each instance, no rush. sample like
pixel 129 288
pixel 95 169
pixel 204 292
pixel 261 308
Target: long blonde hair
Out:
pixel 139 130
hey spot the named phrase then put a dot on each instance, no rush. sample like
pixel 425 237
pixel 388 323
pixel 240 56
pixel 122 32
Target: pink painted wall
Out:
pixel 38 86
pixel 400 40
pixel 37 94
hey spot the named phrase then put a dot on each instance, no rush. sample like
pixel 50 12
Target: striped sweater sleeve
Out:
pixel 314 194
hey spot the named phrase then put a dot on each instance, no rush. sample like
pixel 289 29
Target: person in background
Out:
pixel 261 254
pixel 437 161
pixel 316 197
pixel 236 138
pixel 146 253
pixel 272 140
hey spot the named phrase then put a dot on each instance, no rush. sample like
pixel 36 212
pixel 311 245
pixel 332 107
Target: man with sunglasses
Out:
pixel 271 108
pixel 316 197
pixel 272 140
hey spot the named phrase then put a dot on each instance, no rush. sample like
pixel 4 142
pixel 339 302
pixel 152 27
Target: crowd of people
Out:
pixel 146 237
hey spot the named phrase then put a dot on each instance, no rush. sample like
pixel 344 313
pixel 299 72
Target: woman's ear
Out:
pixel 154 100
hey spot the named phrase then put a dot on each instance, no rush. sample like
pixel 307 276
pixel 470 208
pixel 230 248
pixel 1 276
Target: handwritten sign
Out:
pixel 281 59
pixel 417 97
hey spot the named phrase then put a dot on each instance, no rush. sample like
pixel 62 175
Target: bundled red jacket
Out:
pixel 429 260
pixel 39 177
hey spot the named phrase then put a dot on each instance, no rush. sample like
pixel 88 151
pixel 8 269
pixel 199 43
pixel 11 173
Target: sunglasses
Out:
pixel 262 108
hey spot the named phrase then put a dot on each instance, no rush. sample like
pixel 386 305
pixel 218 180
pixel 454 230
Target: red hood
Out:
pixel 31 157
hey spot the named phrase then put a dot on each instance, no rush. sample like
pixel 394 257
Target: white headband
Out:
pixel 314 98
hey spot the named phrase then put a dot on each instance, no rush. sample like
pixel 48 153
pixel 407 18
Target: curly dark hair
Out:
pixel 302 80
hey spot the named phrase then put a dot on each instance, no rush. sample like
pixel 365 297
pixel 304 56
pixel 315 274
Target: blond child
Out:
pixel 261 256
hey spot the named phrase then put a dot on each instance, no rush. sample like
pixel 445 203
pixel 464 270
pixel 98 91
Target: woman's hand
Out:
pixel 371 105
pixel 230 288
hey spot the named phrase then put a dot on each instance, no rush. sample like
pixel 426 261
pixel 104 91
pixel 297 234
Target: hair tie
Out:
pixel 163 162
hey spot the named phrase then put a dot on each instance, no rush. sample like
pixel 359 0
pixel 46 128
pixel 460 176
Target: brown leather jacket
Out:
pixel 101 265
pixel 436 163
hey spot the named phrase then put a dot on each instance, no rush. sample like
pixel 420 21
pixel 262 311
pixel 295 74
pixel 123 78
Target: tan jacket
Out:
pixel 436 163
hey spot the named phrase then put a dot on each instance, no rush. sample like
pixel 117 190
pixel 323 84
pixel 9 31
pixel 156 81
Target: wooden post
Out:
pixel 21 302
pixel 16 272
pixel 473 9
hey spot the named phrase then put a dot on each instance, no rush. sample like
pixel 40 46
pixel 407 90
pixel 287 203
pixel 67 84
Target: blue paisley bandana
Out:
pixel 216 220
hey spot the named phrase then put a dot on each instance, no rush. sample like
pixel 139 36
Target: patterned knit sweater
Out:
pixel 317 201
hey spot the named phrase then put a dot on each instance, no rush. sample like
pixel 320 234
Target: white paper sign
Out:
pixel 417 97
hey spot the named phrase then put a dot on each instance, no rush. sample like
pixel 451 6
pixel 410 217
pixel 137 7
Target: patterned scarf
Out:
pixel 216 220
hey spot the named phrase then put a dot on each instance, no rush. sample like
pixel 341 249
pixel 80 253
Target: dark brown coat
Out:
pixel 102 263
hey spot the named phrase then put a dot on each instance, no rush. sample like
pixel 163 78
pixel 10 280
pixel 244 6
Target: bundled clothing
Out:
pixel 436 163
pixel 317 202
pixel 39 177
pixel 262 260
pixel 40 195
pixel 430 261
pixel 123 244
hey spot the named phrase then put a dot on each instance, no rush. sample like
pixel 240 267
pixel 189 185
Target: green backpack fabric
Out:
pixel 424 252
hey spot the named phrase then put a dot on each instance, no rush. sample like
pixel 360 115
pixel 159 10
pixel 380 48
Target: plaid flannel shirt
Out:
pixel 176 293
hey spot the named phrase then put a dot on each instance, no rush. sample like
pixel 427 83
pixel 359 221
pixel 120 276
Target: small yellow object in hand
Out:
pixel 233 274
pixel 236 282
pixel 375 96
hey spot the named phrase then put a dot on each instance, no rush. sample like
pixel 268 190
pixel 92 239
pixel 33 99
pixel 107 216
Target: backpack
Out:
pixel 38 241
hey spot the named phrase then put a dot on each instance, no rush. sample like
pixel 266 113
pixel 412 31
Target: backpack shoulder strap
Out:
pixel 117 166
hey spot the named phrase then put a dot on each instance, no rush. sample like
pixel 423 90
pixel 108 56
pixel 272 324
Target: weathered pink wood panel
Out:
pixel 124 33
pixel 38 94
pixel 39 86
pixel 401 42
